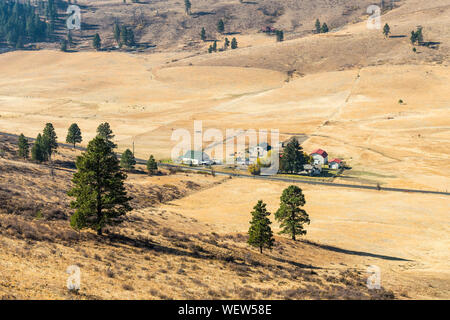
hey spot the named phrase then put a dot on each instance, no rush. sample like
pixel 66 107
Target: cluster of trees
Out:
pixel 100 198
pixel 20 23
pixel 291 216
pixel 226 44
pixel 123 35
pixel 293 158
pixel 417 36
pixel 321 28
pixel 44 146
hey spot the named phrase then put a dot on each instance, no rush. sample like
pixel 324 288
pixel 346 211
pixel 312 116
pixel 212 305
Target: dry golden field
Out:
pixel 368 100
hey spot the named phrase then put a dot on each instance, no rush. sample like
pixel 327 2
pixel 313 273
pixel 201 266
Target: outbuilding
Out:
pixel 335 164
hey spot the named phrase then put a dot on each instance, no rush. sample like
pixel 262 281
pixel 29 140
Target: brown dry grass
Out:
pixel 153 254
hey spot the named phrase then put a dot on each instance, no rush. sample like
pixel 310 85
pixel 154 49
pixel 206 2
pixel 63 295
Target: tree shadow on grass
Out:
pixel 352 252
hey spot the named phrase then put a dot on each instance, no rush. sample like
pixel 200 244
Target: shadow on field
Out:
pixel 356 253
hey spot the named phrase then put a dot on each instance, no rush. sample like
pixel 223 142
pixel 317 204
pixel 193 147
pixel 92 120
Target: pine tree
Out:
pixel 24 147
pixel 187 6
pixel 419 35
pixel 127 161
pixel 280 35
pixel 234 43
pixel 123 36
pixel 104 131
pixel 74 134
pixel 226 44
pixel 413 37
pixel 324 28
pixel 220 26
pixel 37 151
pixel 386 30
pixel 318 26
pixel 97 42
pixel 152 166
pixel 203 34
pixel 290 214
pixel 116 31
pixel 260 234
pixel 49 142
pixel 293 158
pixel 100 195
pixel 214 47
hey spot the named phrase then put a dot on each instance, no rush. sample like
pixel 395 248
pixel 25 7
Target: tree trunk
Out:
pixel 99 232
pixel 260 249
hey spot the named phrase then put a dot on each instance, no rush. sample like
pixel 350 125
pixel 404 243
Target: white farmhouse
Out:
pixel 320 157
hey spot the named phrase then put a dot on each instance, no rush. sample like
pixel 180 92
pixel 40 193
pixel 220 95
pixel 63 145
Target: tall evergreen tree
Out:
pixel 220 26
pixel 187 6
pixel 290 214
pixel 127 160
pixel 116 31
pixel 260 234
pixel 293 158
pixel 226 44
pixel 74 134
pixel 104 131
pixel 37 151
pixel 97 42
pixel 386 30
pixel 152 166
pixel 24 147
pixel 234 43
pixel 280 35
pixel 98 188
pixel 324 28
pixel 318 26
pixel 49 140
pixel 203 34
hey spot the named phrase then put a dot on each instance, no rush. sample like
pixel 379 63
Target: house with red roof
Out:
pixel 320 157
pixel 335 164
